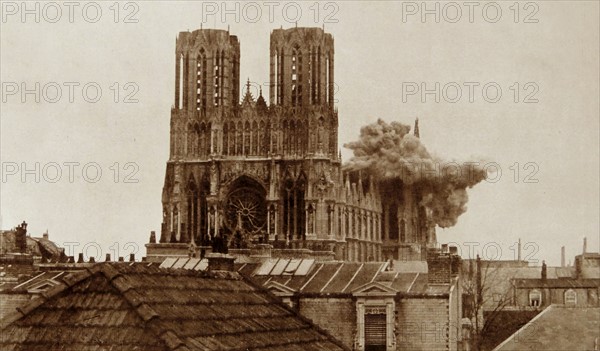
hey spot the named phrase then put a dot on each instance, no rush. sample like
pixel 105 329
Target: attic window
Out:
pixel 535 298
pixel 570 297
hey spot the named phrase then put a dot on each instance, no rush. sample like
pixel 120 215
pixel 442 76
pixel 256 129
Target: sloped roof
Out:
pixel 121 306
pixel 557 328
pixel 307 276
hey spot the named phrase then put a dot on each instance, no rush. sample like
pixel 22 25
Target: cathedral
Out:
pixel 245 174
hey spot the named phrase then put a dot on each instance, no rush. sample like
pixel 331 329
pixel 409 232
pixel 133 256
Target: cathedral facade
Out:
pixel 247 173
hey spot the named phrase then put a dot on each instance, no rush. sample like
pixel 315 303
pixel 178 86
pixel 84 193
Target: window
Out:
pixel 375 328
pixel 535 298
pixel 570 297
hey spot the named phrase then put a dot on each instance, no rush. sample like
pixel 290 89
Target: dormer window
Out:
pixel 570 297
pixel 535 298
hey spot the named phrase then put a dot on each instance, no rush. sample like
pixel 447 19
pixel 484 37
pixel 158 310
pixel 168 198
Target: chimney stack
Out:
pixel 80 258
pixel 107 258
pixel 153 237
pixel 584 245
pixel 132 257
pixel 519 251
pixel 544 271
pixel 220 262
pixel 562 256
pixel 121 259
pixel 442 266
pixel 45 235
pixel 92 259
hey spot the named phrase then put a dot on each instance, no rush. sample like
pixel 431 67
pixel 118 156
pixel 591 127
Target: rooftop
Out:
pixel 131 306
pixel 557 328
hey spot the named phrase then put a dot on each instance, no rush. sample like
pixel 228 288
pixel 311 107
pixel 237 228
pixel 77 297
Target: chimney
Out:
pixel 71 259
pixel 562 256
pixel 21 238
pixel 80 258
pixel 153 237
pixel 584 245
pixel 220 262
pixel 132 257
pixel 107 258
pixel 444 248
pixel 519 251
pixel 121 259
pixel 544 271
pixel 442 267
pixel 453 250
pixel 45 235
pixel 92 259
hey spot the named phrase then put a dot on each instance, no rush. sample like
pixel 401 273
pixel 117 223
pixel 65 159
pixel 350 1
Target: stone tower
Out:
pixel 245 173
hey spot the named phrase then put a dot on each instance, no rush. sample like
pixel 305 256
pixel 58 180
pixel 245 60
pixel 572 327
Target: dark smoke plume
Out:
pixel 389 152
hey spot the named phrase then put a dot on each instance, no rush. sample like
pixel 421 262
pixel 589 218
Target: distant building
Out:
pixel 244 173
pixel 370 306
pixel 16 242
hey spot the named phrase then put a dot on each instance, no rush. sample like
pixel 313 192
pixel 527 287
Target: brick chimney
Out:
pixel 442 266
pixel 80 258
pixel 220 262
pixel 544 271
pixel 21 238
pixel 153 237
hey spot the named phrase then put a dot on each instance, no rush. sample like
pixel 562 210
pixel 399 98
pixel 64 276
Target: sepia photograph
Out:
pixel 300 175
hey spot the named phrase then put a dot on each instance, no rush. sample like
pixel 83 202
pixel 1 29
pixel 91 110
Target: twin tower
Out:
pixel 246 174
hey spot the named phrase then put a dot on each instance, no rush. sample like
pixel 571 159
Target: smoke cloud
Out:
pixel 388 152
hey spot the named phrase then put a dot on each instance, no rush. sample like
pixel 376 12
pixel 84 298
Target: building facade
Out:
pixel 247 173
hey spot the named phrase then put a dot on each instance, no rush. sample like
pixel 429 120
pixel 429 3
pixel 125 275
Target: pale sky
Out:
pixel 550 49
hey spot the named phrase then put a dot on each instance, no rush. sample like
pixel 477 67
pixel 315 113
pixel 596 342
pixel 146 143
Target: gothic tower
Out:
pixel 244 173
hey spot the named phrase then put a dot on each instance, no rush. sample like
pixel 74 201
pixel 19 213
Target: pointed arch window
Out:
pixel 181 85
pixel 201 80
pixel 296 76
pixel 392 217
pixel 294 212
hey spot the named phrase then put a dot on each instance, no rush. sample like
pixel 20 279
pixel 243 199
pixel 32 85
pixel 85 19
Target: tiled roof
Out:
pixel 557 328
pixel 119 306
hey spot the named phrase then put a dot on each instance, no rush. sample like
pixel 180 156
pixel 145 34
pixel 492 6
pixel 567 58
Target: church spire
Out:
pixel 417 134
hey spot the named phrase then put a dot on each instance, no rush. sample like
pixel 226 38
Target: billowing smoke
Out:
pixel 389 152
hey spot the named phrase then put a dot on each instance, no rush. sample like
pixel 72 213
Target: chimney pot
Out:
pixel 107 257
pixel 80 258
pixel 132 257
